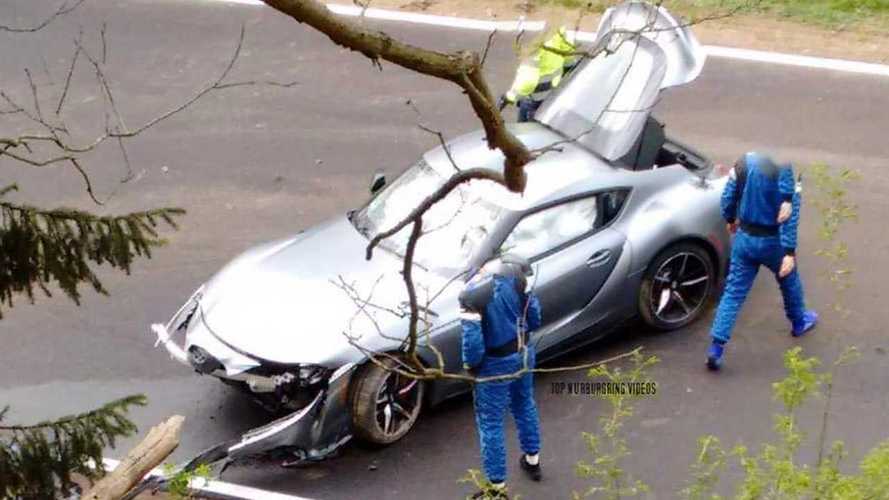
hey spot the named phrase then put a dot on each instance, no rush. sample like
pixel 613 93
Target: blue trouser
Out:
pixel 748 253
pixel 491 401
pixel 527 108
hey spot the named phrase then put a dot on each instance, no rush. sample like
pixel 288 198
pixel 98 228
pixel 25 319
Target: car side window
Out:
pixel 612 202
pixel 542 231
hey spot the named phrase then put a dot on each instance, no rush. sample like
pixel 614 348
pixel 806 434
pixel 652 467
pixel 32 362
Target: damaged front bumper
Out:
pixel 320 420
pixel 310 434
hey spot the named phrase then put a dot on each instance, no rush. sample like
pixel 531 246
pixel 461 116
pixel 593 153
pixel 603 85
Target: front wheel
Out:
pixel 676 287
pixel 385 404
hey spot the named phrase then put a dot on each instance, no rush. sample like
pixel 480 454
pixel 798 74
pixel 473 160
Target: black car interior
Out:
pixel 654 149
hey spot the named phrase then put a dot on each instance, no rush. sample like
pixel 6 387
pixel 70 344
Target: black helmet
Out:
pixel 479 290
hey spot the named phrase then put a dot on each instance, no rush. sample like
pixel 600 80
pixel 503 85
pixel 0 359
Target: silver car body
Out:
pixel 312 299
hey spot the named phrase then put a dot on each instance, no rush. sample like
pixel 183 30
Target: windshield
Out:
pixel 453 228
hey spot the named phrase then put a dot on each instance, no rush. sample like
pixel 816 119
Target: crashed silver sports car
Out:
pixel 618 220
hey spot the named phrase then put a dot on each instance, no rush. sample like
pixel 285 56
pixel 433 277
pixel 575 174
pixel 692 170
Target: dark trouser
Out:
pixel 527 108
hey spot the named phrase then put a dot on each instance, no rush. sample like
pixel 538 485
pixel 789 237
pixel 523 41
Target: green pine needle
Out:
pixel 37 461
pixel 60 246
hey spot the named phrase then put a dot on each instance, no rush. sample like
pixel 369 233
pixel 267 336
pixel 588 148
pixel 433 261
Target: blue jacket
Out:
pixel 758 201
pixel 500 322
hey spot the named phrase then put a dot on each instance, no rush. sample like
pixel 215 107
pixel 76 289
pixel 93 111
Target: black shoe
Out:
pixel 714 356
pixel 490 494
pixel 533 471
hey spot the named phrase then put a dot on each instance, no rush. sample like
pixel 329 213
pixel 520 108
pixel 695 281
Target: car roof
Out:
pixel 565 170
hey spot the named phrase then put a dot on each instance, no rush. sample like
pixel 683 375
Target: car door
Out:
pixel 572 252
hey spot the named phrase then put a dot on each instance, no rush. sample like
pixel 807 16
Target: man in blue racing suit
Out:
pixel 763 200
pixel 497 315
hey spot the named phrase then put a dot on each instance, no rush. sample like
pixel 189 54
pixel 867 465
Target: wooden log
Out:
pixel 148 454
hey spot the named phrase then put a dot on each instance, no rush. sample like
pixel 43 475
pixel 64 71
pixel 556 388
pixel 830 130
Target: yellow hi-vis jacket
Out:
pixel 537 76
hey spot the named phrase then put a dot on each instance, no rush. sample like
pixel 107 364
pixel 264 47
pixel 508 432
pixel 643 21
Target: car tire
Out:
pixel 373 388
pixel 677 287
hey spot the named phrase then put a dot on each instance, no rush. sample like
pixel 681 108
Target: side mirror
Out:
pixel 377 183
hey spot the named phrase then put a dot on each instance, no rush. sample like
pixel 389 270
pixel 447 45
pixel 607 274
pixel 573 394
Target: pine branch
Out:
pixel 37 461
pixel 40 247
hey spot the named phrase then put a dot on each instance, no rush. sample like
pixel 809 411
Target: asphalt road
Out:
pixel 255 163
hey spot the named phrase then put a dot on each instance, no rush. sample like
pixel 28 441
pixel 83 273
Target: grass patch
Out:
pixel 830 13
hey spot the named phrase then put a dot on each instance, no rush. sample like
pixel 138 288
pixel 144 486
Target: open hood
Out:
pixel 605 102
pixel 685 57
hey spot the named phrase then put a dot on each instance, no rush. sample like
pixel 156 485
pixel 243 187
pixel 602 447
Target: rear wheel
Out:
pixel 385 404
pixel 677 287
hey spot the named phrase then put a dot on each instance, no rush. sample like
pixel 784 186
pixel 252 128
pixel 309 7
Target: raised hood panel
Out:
pixel 684 55
pixel 605 102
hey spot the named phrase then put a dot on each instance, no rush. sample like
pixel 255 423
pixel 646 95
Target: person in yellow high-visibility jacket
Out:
pixel 541 73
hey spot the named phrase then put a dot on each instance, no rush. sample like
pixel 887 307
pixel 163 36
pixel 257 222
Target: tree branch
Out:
pixel 438 195
pixel 463 68
pixel 59 148
pixel 64 8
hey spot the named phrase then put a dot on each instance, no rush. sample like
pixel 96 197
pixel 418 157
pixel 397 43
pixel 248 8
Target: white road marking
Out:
pixel 446 21
pixel 843 65
pixel 797 60
pixel 219 487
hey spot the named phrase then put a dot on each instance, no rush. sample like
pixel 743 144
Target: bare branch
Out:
pixel 488 45
pixel 61 149
pixel 64 8
pixel 126 161
pixel 363 304
pixel 437 133
pixel 407 272
pixel 356 297
pixel 270 83
pixel 461 68
pixel 424 373
pixel 104 88
pixel 104 43
pixel 86 180
pixel 439 194
pixel 363 5
pixel 68 76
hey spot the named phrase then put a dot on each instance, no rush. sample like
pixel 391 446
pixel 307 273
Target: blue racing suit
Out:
pixel 507 315
pixel 753 196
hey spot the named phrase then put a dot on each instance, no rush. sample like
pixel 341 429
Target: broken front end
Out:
pixel 313 399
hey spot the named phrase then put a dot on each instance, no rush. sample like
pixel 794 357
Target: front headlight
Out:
pixel 184 315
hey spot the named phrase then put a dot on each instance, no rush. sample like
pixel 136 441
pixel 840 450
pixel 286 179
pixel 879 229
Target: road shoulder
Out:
pixel 757 32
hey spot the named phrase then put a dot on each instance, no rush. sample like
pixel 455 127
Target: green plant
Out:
pixel 179 482
pixel 40 248
pixel 609 446
pixel 828 13
pixel 835 210
pixel 588 5
pixel 776 471
pixel 872 14
pixel 37 461
pixel 477 479
pixel 706 470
